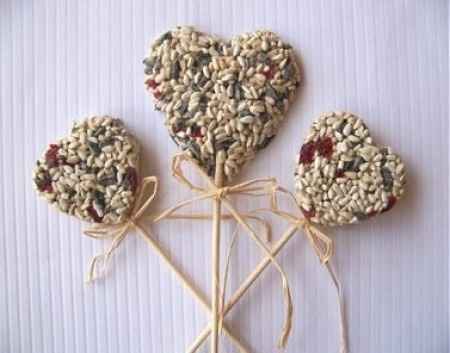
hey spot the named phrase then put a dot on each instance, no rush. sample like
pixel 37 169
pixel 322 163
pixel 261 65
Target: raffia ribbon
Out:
pixel 324 248
pixel 322 245
pixel 118 232
pixel 255 187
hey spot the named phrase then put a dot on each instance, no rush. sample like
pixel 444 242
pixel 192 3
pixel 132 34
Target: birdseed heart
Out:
pixel 93 173
pixel 342 177
pixel 229 96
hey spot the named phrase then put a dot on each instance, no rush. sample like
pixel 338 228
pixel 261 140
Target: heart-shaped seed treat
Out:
pixel 342 177
pixel 219 95
pixel 93 173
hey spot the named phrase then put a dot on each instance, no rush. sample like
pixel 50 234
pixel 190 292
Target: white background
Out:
pixel 387 61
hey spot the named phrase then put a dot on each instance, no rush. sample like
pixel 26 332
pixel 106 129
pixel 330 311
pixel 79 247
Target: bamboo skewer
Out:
pixel 245 285
pixel 215 251
pixel 186 281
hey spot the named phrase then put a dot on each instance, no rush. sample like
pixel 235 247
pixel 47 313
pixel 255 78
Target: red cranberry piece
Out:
pixel 339 173
pixel 307 153
pixel 270 73
pixel 157 94
pixel 371 214
pixel 309 214
pixel 151 83
pixel 391 202
pixel 131 179
pixel 196 131
pixel 94 215
pixel 325 147
pixel 51 156
pixel 45 185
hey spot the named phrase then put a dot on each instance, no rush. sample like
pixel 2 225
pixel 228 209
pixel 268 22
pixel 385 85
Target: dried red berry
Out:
pixel 339 173
pixel 45 185
pixel 48 187
pixel 391 202
pixel 307 153
pixel 196 131
pixel 94 215
pixel 157 94
pixel 151 83
pixel 371 214
pixel 325 147
pixel 131 179
pixel 270 73
pixel 51 156
pixel 309 214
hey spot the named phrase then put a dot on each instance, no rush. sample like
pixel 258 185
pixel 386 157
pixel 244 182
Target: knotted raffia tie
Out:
pixel 118 232
pixel 254 187
pixel 323 246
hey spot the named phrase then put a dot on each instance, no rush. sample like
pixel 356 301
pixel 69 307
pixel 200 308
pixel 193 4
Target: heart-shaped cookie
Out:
pixel 93 173
pixel 218 95
pixel 342 177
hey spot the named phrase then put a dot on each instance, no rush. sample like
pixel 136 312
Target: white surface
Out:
pixel 384 60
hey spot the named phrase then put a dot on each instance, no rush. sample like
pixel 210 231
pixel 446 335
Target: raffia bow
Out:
pixel 256 188
pixel 118 232
pixel 324 248
pixel 320 242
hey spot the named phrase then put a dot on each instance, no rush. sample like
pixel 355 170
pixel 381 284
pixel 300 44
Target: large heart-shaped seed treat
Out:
pixel 342 177
pixel 93 173
pixel 217 95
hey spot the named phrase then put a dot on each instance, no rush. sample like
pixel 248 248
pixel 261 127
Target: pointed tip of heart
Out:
pixel 220 95
pixel 342 176
pixel 91 173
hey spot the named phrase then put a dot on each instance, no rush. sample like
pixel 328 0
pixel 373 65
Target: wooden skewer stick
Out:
pixel 186 281
pixel 215 251
pixel 246 285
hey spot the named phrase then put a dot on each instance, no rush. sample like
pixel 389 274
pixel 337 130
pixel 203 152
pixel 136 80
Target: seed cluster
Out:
pixel 218 95
pixel 342 176
pixel 91 174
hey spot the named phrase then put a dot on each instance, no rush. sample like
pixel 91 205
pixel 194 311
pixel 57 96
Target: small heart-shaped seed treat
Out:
pixel 221 96
pixel 93 173
pixel 342 177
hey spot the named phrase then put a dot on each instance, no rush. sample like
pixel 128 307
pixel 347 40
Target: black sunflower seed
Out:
pixel 210 167
pixel 245 112
pixel 223 145
pixel 99 131
pixel 288 71
pixel 148 63
pixel 263 58
pixel 203 59
pixel 166 36
pixel 353 165
pixel 175 70
pixel 107 142
pixel 388 180
pixel 99 198
pixel 94 148
pixel 238 91
pixel 347 166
